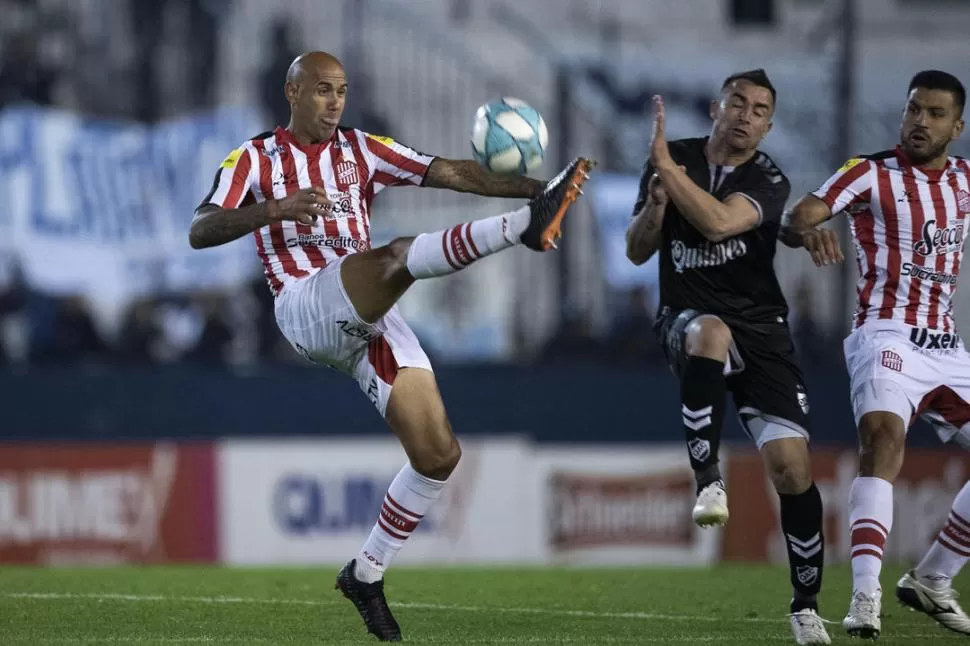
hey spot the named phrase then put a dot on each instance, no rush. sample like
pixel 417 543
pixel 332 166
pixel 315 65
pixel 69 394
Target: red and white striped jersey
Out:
pixel 908 227
pixel 352 166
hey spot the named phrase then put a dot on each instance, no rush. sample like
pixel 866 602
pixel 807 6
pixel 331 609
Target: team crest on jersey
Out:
pixel 963 201
pixel 346 174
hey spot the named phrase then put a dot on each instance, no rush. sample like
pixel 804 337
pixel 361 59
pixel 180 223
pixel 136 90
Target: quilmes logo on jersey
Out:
pixel 936 241
pixel 346 174
pixel 710 254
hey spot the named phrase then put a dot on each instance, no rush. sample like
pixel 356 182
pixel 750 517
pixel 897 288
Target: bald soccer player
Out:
pixel 305 193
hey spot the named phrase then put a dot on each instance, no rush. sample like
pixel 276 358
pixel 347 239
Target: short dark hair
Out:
pixel 937 80
pixel 759 77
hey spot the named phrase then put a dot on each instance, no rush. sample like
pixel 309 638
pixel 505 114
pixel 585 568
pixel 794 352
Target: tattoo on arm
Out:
pixel 213 226
pixel 467 176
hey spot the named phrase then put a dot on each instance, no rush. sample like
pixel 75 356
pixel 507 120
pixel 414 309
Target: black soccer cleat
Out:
pixel 548 210
pixel 369 600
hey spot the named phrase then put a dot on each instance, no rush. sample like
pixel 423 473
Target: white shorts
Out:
pixel 317 318
pixel 911 371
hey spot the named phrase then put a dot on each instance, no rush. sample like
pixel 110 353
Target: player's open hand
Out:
pixel 303 206
pixel 659 153
pixel 824 246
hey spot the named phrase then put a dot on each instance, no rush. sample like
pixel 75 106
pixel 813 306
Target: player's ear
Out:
pixel 957 129
pixel 715 106
pixel 291 90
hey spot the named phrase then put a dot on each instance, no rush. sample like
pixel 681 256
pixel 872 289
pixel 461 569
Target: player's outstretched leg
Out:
pixel 702 388
pixel 929 588
pixel 376 279
pixel 788 464
pixel 881 436
pixel 417 415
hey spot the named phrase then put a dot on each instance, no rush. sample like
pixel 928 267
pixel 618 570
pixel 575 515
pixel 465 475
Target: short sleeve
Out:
pixel 232 181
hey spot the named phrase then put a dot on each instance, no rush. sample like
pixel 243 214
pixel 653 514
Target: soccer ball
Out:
pixel 509 136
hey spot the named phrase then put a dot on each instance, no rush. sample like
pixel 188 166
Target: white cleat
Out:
pixel 808 628
pixel 941 605
pixel 863 620
pixel 711 509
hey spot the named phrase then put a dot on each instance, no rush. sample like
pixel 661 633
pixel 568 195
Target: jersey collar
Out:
pixel 311 150
pixel 933 174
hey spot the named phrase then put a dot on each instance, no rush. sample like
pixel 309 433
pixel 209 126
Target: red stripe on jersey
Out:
pixel 266 188
pixel 337 154
pixel 385 178
pixel 330 228
pixel 890 218
pixel 363 222
pixel 313 253
pixel 395 158
pixel 957 257
pixel 274 283
pixel 865 223
pixel 939 212
pixel 240 182
pixel 918 218
pixel 292 179
pixel 834 194
pixel 276 228
pixel 330 225
pixel 380 356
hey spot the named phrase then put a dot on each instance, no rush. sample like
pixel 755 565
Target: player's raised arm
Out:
pixel 715 220
pixel 467 176
pixel 643 236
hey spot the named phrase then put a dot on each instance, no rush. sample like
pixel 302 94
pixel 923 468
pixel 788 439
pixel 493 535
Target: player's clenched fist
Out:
pixel 303 206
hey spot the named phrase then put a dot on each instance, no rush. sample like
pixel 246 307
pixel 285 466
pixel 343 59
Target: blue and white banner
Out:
pixel 612 196
pixel 97 207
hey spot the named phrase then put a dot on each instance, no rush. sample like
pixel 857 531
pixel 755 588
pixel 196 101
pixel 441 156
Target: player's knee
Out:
pixel 708 336
pixel 788 464
pixel 438 458
pixel 394 257
pixel 791 477
pixel 882 439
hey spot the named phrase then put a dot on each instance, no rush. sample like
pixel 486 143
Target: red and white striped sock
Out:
pixel 448 251
pixel 408 499
pixel 950 551
pixel 870 520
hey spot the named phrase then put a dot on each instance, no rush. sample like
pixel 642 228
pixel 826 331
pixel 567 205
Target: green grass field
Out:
pixel 725 605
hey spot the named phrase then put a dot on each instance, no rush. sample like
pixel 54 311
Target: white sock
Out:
pixel 948 554
pixel 408 499
pixel 448 251
pixel 870 521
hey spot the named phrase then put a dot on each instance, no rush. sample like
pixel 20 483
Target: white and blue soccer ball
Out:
pixel 509 136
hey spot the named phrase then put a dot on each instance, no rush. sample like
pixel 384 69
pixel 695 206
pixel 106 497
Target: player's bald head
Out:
pixel 312 66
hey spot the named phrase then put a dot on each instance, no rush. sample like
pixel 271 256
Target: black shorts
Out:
pixel 762 372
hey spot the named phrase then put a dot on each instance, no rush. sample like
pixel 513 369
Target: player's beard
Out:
pixel 935 150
